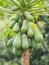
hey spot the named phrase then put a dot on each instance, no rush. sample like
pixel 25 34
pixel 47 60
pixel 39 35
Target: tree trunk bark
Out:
pixel 25 57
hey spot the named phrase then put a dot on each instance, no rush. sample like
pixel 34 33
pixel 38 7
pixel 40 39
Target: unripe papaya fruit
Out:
pixel 33 25
pixel 20 22
pixel 11 24
pixel 29 42
pixel 16 18
pixel 10 42
pixel 17 41
pixel 34 44
pixel 30 32
pixel 38 36
pixel 29 16
pixel 16 27
pixel 16 51
pixel 25 43
pixel 24 26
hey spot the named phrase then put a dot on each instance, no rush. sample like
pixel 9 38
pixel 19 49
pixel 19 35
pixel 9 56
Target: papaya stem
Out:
pixel 25 57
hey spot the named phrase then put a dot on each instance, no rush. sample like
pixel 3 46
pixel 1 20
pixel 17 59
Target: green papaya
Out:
pixel 11 24
pixel 17 51
pixel 38 36
pixel 10 42
pixel 25 43
pixel 24 26
pixel 16 27
pixel 34 44
pixel 17 41
pixel 30 32
pixel 29 42
pixel 16 18
pixel 20 22
pixel 29 16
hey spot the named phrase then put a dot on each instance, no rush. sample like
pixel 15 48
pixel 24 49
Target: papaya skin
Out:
pixel 11 24
pixel 17 41
pixel 29 16
pixel 16 52
pixel 16 27
pixel 38 36
pixel 30 32
pixel 25 43
pixel 24 26
pixel 10 42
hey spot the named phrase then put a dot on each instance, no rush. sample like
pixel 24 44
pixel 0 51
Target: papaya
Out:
pixel 25 43
pixel 38 36
pixel 16 51
pixel 24 26
pixel 30 32
pixel 11 24
pixel 20 22
pixel 16 27
pixel 17 41
pixel 29 42
pixel 10 42
pixel 34 44
pixel 33 25
pixel 29 16
pixel 16 18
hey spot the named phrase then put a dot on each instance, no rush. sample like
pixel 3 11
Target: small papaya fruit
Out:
pixel 24 26
pixel 30 32
pixel 20 22
pixel 38 36
pixel 16 18
pixel 29 16
pixel 16 51
pixel 11 24
pixel 29 42
pixel 34 44
pixel 17 41
pixel 16 27
pixel 33 25
pixel 25 43
pixel 10 42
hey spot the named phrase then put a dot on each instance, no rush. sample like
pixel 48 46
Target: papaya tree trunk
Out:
pixel 25 57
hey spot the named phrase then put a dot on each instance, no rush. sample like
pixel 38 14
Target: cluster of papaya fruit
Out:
pixel 27 33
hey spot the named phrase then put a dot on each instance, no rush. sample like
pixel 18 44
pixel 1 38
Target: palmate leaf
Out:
pixel 34 6
pixel 40 8
pixel 5 10
pixel 3 3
